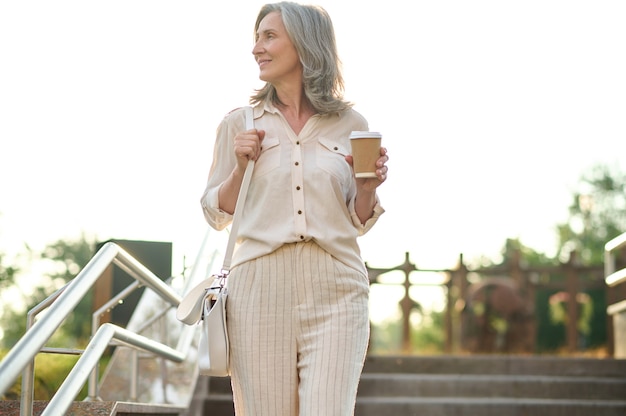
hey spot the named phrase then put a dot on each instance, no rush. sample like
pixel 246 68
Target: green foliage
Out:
pixel 597 214
pixel 427 335
pixel 70 257
pixel 598 323
pixel 550 334
pixel 50 372
pixel 63 261
pixel 558 311
pixel 7 274
pixel 552 321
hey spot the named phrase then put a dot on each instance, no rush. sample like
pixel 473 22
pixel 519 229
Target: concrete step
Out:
pixel 222 405
pixel 103 408
pixel 475 385
pixel 489 386
pixel 217 404
pixel 497 364
pixel 464 406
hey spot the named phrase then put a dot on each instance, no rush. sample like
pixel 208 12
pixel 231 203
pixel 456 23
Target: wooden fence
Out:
pixel 514 286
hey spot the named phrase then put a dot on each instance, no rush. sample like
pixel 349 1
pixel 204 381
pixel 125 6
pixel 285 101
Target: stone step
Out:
pixel 217 404
pixel 497 364
pixel 222 405
pixel 468 406
pixel 103 408
pixel 475 385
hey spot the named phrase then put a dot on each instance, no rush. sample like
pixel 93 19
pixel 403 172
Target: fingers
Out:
pixel 382 174
pixel 247 145
pixel 382 169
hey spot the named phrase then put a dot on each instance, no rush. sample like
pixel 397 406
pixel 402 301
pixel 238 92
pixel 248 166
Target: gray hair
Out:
pixel 311 31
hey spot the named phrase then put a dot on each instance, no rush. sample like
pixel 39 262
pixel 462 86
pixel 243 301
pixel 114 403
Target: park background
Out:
pixel 491 111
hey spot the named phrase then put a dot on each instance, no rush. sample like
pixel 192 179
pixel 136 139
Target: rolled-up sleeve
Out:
pixel 216 218
pixel 364 228
pixel 223 164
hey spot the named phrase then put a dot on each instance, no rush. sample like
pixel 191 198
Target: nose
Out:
pixel 256 48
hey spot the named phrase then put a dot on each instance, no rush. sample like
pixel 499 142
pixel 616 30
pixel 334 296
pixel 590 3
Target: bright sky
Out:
pixel 491 111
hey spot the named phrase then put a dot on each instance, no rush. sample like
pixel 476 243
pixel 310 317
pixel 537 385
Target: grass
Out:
pixel 50 372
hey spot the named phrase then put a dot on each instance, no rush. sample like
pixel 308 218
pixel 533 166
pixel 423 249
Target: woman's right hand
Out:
pixel 248 147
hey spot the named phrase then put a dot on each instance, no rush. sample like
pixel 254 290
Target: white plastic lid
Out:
pixel 365 135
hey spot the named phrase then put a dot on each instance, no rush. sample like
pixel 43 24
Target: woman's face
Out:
pixel 275 53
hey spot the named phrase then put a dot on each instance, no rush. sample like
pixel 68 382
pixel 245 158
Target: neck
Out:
pixel 295 104
pixel 295 108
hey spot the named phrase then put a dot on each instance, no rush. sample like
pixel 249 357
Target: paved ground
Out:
pixel 12 408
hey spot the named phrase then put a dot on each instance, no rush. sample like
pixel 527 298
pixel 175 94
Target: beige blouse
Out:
pixel 301 189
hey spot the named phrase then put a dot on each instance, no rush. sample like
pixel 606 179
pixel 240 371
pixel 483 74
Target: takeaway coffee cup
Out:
pixel 365 152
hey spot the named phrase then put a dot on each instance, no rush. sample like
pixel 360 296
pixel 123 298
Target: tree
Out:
pixel 12 317
pixel 70 257
pixel 62 261
pixel 7 273
pixel 597 214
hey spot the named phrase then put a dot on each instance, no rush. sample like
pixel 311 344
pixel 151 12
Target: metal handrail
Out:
pixel 28 374
pixel 21 357
pixel 70 388
pixel 613 277
pixel 92 389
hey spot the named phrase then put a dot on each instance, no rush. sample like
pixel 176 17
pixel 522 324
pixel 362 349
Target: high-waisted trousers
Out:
pixel 298 329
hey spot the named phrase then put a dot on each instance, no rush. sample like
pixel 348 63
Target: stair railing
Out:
pixel 613 278
pixel 59 305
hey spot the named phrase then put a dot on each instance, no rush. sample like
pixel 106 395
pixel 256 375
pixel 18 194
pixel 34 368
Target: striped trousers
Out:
pixel 298 328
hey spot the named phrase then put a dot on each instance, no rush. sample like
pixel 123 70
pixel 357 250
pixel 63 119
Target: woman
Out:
pixel 298 288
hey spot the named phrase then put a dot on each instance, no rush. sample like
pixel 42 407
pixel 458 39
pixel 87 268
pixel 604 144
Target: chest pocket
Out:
pixel 269 158
pixel 330 157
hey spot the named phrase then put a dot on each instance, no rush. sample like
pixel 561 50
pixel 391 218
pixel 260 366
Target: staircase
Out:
pixel 469 385
pixel 100 408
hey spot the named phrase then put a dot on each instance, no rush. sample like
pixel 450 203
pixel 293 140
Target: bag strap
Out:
pixel 241 199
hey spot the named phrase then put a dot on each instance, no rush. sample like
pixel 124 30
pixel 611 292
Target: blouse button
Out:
pixel 301 237
pixel 336 148
pixel 299 212
pixel 298 142
pixel 297 163
pixel 297 188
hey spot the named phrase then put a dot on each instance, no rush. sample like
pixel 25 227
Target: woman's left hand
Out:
pixel 370 184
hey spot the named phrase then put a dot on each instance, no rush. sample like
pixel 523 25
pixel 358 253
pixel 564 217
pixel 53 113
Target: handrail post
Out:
pixel 134 375
pixel 28 379
pixel 28 373
pixel 28 389
pixel 612 278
